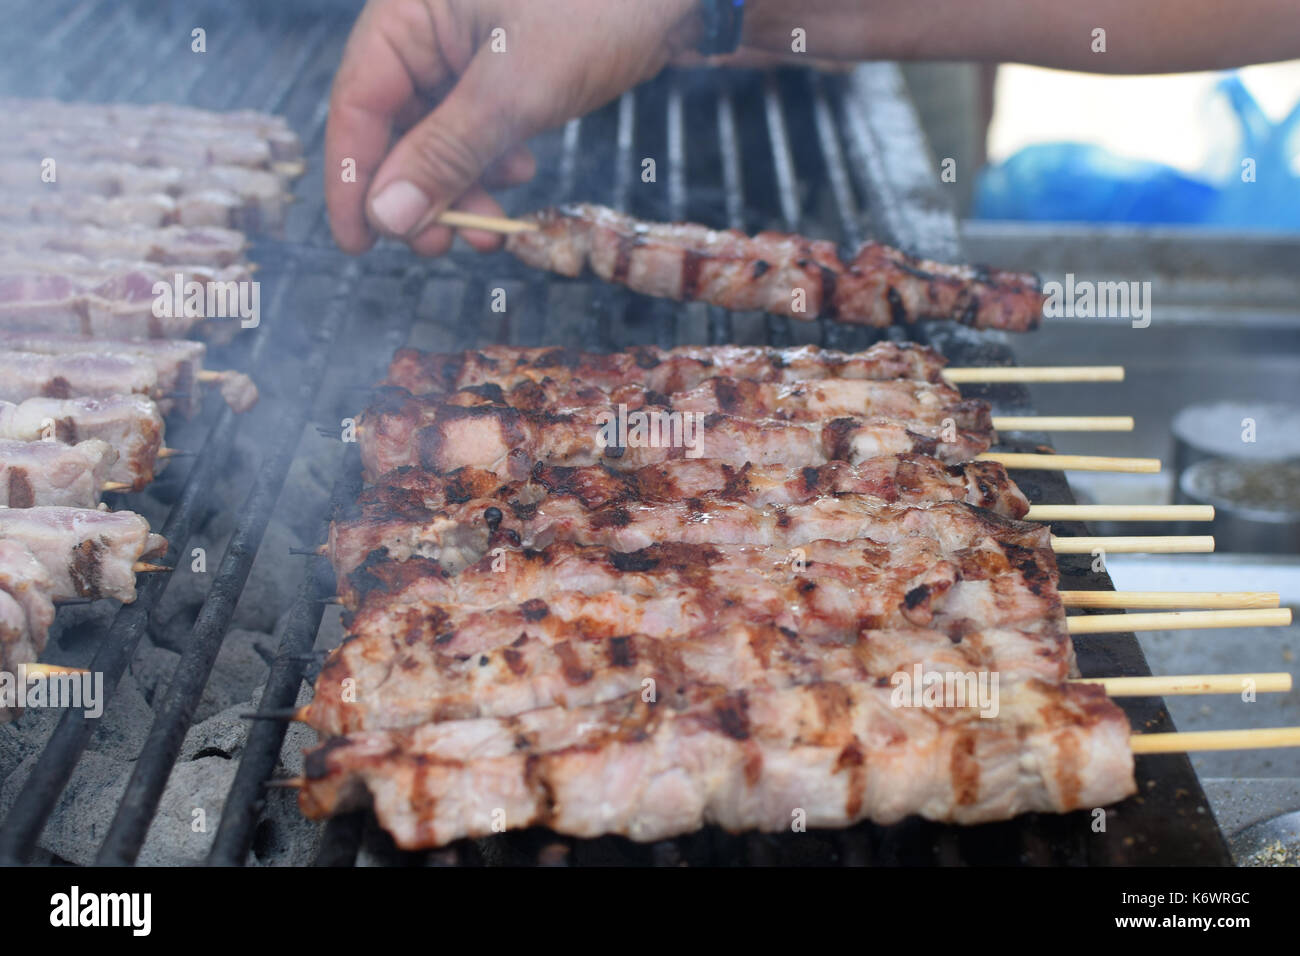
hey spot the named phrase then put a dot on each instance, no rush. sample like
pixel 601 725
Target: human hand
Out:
pixel 434 99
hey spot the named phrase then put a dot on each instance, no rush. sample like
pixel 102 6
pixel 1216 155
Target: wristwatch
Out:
pixel 722 21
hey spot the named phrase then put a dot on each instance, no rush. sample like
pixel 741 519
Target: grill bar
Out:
pixel 721 328
pixel 53 770
pixel 778 326
pixel 265 738
pixel 837 173
pixel 127 832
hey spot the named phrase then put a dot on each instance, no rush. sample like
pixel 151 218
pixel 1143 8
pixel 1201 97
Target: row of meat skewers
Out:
pixel 510 582
pixel 98 204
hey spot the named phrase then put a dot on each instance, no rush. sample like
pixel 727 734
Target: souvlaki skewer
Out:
pixel 685 367
pixel 771 272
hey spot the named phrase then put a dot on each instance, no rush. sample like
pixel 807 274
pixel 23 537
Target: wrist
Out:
pixel 721 22
pixel 767 25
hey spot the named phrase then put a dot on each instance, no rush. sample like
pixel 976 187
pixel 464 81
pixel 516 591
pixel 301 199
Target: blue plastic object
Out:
pixel 1078 182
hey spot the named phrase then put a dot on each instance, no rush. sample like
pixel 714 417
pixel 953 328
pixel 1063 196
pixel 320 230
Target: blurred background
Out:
pixel 1191 183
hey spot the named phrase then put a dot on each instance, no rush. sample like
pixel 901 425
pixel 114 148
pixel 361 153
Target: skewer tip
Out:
pixel 286 714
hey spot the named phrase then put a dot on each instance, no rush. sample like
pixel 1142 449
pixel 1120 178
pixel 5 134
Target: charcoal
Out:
pixel 239 669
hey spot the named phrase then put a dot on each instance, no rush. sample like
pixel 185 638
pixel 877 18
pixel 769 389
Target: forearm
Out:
pixel 1142 36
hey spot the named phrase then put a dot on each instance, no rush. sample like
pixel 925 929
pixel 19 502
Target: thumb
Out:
pixel 446 153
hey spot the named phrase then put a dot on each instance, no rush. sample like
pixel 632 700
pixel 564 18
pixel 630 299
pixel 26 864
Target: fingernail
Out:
pixel 399 206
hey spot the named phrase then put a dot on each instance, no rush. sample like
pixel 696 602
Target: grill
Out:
pixel 840 156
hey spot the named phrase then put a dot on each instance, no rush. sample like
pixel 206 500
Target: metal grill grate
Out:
pixel 829 155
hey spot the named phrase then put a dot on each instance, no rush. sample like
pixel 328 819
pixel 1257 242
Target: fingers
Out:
pixel 391 54
pixel 477 201
pixel 447 153
pixel 437 240
pixel 517 166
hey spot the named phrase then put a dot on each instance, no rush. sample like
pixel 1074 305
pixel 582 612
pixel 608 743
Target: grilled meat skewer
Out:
pixel 400 429
pixel 73 295
pixel 661 370
pixel 28 610
pixel 257 197
pixel 132 424
pixel 822 584
pixel 743 759
pixel 461 534
pixel 902 400
pixel 150 211
pixel 415 625
pixel 36 473
pixel 76 375
pixel 88 553
pixel 211 247
pixel 131 120
pixel 542 667
pixel 179 364
pixel 894 479
pixel 774 272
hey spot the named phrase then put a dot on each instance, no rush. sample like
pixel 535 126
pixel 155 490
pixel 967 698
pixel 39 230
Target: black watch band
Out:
pixel 722 23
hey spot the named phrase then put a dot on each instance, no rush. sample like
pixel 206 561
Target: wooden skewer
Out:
pixel 116 486
pixel 1133 466
pixel 1136 544
pixel 1159 686
pixel 1171 599
pixel 471 220
pixel 289 168
pixel 1063 423
pixel 1178 620
pixel 1042 373
pixel 1120 513
pixel 144 567
pixel 288 713
pixel 50 669
pixel 1258 738
pixel 287 783
pixel 173 453
pixel 210 376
